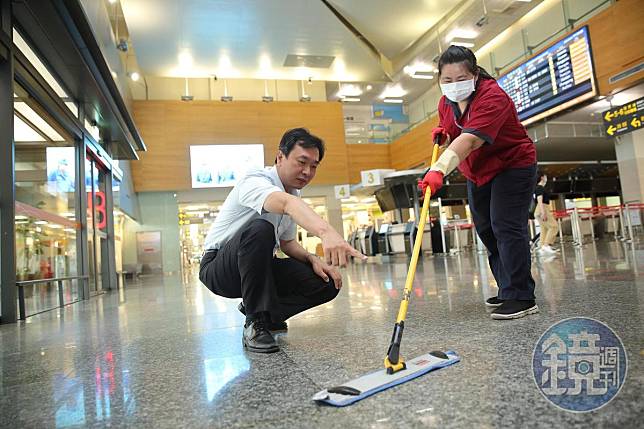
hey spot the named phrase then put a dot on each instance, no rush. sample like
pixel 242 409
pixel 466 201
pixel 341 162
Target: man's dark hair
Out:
pixel 301 137
pixel 459 54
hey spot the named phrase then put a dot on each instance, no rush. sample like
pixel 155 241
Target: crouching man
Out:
pixel 258 217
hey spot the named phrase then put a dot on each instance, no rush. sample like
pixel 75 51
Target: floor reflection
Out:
pixel 221 371
pixel 164 351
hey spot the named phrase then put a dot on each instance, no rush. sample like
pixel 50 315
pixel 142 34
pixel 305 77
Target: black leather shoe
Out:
pixel 257 338
pixel 280 326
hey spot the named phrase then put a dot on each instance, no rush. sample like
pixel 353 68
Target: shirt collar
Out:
pixel 272 171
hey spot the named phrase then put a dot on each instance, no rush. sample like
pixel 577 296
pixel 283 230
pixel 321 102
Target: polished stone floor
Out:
pixel 164 352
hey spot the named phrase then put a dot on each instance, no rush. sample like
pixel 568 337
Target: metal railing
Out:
pixel 61 298
pixel 620 217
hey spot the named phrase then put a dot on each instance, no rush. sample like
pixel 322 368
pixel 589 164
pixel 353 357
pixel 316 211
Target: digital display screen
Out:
pixel 61 169
pixel 556 79
pixel 216 166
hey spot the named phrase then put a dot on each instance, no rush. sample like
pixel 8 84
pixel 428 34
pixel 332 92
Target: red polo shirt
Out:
pixel 491 116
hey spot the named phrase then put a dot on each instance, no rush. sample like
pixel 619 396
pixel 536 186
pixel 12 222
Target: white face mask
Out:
pixel 458 91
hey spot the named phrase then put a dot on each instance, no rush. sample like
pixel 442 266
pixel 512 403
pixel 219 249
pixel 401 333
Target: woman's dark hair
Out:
pixel 459 54
pixel 301 137
pixel 540 175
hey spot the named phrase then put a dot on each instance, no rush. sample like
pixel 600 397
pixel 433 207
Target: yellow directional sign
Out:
pixel 624 119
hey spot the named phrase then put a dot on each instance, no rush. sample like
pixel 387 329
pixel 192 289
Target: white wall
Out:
pixel 159 212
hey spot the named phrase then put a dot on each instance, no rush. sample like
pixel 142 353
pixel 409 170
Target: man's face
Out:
pixel 298 169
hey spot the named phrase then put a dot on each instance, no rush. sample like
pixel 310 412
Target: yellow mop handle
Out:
pixel 402 312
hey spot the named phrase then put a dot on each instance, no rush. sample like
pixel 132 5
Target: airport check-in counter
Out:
pixel 383 239
pixel 370 241
pixel 401 236
pixel 365 240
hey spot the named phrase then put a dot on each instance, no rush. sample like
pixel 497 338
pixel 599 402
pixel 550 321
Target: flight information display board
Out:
pixel 556 79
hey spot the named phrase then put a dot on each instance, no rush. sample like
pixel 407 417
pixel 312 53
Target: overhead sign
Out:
pixel 374 177
pixel 624 119
pixel 342 191
pixel 556 79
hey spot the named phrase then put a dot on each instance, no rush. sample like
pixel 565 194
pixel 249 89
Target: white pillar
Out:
pixel 629 149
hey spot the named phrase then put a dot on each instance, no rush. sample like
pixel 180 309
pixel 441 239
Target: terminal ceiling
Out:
pixel 364 40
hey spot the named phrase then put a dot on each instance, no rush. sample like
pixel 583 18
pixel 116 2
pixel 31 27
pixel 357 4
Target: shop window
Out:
pixel 45 219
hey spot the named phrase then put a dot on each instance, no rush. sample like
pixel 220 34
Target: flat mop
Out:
pixel 396 370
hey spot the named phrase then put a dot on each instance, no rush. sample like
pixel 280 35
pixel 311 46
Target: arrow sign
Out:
pixel 624 119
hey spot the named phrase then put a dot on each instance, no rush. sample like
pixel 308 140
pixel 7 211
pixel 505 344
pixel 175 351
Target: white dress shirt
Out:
pixel 245 203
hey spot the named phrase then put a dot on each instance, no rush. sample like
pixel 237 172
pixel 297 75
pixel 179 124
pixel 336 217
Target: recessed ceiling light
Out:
pixel 462 43
pixel 349 90
pixel 394 91
pixel 393 100
pixel 351 99
pixel 422 75
pixel 419 67
pixel 135 76
pixel 369 87
pixel 461 33
pixel 185 59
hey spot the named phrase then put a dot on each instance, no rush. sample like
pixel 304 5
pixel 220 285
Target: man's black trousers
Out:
pixel 246 268
pixel 500 213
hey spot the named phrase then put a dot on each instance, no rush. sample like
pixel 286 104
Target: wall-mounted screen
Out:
pixel 61 169
pixel 214 166
pixel 556 79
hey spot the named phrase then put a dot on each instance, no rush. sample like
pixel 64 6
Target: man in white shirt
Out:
pixel 258 217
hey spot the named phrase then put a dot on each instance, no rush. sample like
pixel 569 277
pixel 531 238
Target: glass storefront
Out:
pixel 45 214
pixel 95 183
pixel 46 224
pixel 60 163
pixel 47 217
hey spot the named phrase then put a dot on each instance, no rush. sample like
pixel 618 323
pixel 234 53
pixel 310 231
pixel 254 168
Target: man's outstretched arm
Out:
pixel 336 249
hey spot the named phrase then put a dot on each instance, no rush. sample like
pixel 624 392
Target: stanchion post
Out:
pixel 440 222
pixel 615 225
pixel 61 296
pixel 576 227
pixel 22 313
pixel 458 240
pixel 629 223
